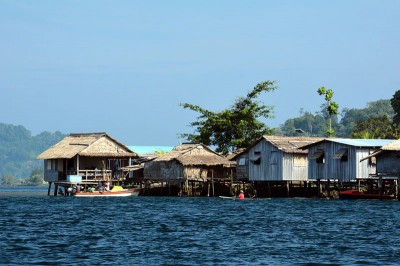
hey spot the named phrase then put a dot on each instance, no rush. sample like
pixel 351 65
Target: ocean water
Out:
pixel 36 229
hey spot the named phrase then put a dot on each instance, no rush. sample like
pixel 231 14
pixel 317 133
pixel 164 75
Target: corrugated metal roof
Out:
pixel 150 149
pixel 362 142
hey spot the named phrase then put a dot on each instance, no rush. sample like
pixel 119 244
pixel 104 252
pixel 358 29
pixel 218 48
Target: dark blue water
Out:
pixel 43 230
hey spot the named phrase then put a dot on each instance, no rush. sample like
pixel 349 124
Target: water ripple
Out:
pixel 46 230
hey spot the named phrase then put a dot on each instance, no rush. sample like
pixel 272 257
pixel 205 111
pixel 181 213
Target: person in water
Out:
pixel 241 195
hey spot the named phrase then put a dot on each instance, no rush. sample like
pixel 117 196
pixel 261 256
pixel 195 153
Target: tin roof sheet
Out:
pixel 362 142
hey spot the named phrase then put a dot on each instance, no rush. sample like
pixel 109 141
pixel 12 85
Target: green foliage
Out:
pixel 375 128
pixel 309 124
pixel 36 178
pixel 315 125
pixel 350 117
pixel 8 180
pixel 331 107
pixel 236 127
pixel 19 149
pixel 395 102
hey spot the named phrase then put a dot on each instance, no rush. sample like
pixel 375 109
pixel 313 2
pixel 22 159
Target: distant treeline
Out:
pixel 19 149
pixel 375 121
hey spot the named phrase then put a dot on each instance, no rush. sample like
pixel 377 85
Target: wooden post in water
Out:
pixel 55 189
pixel 318 188
pixel 48 191
pixel 212 180
pixel 398 188
pixel 288 189
pixel 328 188
pixel 381 187
pixel 208 189
pixel 269 189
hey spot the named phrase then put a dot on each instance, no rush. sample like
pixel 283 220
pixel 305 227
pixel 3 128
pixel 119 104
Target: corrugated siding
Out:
pixel 242 170
pixel 270 167
pixel 317 170
pixel 364 168
pixel 336 168
pixel 388 163
pixel 295 167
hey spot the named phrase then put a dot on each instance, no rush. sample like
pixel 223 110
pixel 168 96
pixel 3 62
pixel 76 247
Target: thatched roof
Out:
pixel 393 146
pixel 232 156
pixel 194 154
pixel 89 144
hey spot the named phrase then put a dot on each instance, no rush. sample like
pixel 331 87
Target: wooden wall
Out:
pixel 388 163
pixel 275 165
pixel 337 168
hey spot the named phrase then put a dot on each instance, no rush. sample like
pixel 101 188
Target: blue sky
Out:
pixel 123 67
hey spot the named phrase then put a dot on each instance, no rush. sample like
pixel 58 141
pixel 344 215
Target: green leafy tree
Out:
pixel 36 178
pixel 236 127
pixel 305 125
pixel 331 107
pixel 350 117
pixel 395 102
pixel 8 180
pixel 376 128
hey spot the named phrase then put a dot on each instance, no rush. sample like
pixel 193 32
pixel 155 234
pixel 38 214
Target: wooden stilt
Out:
pixel 328 188
pixel 318 188
pixel 380 187
pixel 213 185
pixel 48 191
pixel 269 189
pixel 288 189
pixel 55 189
pixel 398 187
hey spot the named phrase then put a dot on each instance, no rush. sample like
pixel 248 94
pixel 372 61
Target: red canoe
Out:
pixel 355 194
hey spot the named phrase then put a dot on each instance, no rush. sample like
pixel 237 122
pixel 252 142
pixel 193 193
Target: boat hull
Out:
pixel 119 193
pixel 355 194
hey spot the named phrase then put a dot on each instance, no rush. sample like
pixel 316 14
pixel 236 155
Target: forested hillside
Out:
pixel 352 123
pixel 18 150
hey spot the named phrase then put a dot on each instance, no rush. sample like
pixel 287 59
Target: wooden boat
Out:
pixel 355 194
pixel 228 198
pixel 234 198
pixel 111 193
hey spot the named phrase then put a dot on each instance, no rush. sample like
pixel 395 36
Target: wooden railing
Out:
pixel 89 175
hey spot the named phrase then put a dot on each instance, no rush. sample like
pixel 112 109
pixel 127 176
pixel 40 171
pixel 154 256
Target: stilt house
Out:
pixel 340 159
pixel 274 158
pixel 188 162
pixel 387 160
pixel 86 158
